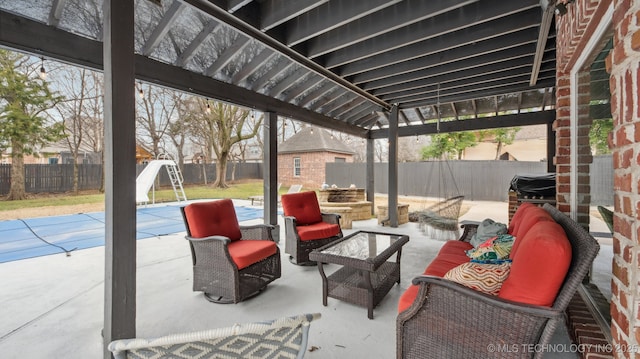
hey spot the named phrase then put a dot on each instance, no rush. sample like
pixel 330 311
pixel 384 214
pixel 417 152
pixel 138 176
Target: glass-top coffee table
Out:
pixel 366 275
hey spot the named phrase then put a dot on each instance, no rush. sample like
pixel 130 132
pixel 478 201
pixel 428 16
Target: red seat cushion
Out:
pixel 444 262
pixel 303 206
pixel 319 230
pixel 540 265
pixel 214 218
pixel 450 256
pixel 407 298
pixel 455 247
pixel 247 252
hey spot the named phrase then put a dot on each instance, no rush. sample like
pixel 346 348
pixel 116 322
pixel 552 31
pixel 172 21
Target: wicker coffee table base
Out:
pixel 359 287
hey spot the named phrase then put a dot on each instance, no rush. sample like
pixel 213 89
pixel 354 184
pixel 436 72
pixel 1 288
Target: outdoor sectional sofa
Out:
pixel 441 318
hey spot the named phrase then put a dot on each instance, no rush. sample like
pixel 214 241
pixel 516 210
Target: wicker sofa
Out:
pixel 440 318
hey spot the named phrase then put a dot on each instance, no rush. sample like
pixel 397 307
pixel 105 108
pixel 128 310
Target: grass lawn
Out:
pixel 238 190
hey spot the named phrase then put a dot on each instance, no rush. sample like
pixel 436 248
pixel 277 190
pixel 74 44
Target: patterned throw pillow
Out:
pixel 483 277
pixel 493 250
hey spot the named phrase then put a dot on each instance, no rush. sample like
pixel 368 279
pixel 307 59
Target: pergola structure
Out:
pixel 374 69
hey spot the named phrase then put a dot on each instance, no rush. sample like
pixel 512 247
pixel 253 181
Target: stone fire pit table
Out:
pixel 353 198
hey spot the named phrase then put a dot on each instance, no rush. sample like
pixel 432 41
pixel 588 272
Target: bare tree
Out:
pixel 81 94
pixel 216 127
pixel 178 129
pixel 381 150
pixel 94 121
pixel 157 107
pixel 409 149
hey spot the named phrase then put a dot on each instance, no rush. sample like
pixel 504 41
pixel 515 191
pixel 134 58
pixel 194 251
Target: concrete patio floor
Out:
pixel 52 306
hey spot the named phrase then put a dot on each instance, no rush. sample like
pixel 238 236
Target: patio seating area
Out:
pixel 56 301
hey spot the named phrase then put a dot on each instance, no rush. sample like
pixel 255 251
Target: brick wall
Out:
pixel 312 170
pixel 573 31
pixel 625 106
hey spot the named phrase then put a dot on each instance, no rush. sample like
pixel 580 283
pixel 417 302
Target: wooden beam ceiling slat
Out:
pixel 460 96
pixel 346 107
pixel 298 75
pixel 329 16
pixel 57 6
pixel 514 45
pixel 543 36
pixel 521 64
pixel 24 34
pixel 302 86
pixel 317 93
pixel 501 121
pixel 282 65
pixel 227 55
pixel 243 27
pixel 484 11
pixel 163 27
pixel 470 84
pixel 191 50
pixel 253 65
pixel 379 23
pixel 276 12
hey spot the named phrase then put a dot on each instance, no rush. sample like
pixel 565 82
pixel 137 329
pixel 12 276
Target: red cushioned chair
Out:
pixel 230 262
pixel 306 228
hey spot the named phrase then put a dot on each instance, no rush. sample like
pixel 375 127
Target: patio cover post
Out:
pixel 393 167
pixel 270 164
pixel 551 148
pixel 120 173
pixel 370 186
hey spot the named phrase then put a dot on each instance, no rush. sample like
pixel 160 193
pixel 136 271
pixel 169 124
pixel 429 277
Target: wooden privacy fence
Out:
pixel 59 177
pixel 476 180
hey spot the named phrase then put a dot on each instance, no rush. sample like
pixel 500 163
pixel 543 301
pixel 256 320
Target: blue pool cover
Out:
pixel 34 237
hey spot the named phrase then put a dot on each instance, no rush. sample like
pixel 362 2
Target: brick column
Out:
pixel 582 155
pixel 625 107
pixel 583 150
pixel 562 126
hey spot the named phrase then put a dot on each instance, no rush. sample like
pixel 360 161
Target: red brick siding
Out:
pixel 625 81
pixel 312 168
pixel 573 32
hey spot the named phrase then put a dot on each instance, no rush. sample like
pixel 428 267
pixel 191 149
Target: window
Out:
pixel 296 167
pixel 53 161
pixel 339 159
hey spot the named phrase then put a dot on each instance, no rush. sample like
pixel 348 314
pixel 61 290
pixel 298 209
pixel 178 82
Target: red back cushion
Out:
pixel 530 218
pixel 303 206
pixel 540 265
pixel 215 218
pixel 517 217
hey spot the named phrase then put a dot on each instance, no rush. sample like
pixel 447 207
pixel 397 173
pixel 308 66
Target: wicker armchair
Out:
pixel 230 262
pixel 281 338
pixel 306 228
pixel 449 320
pixel 440 221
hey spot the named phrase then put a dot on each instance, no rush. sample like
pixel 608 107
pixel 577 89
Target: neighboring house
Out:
pixel 302 158
pixel 530 144
pixel 57 153
pixel 143 155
